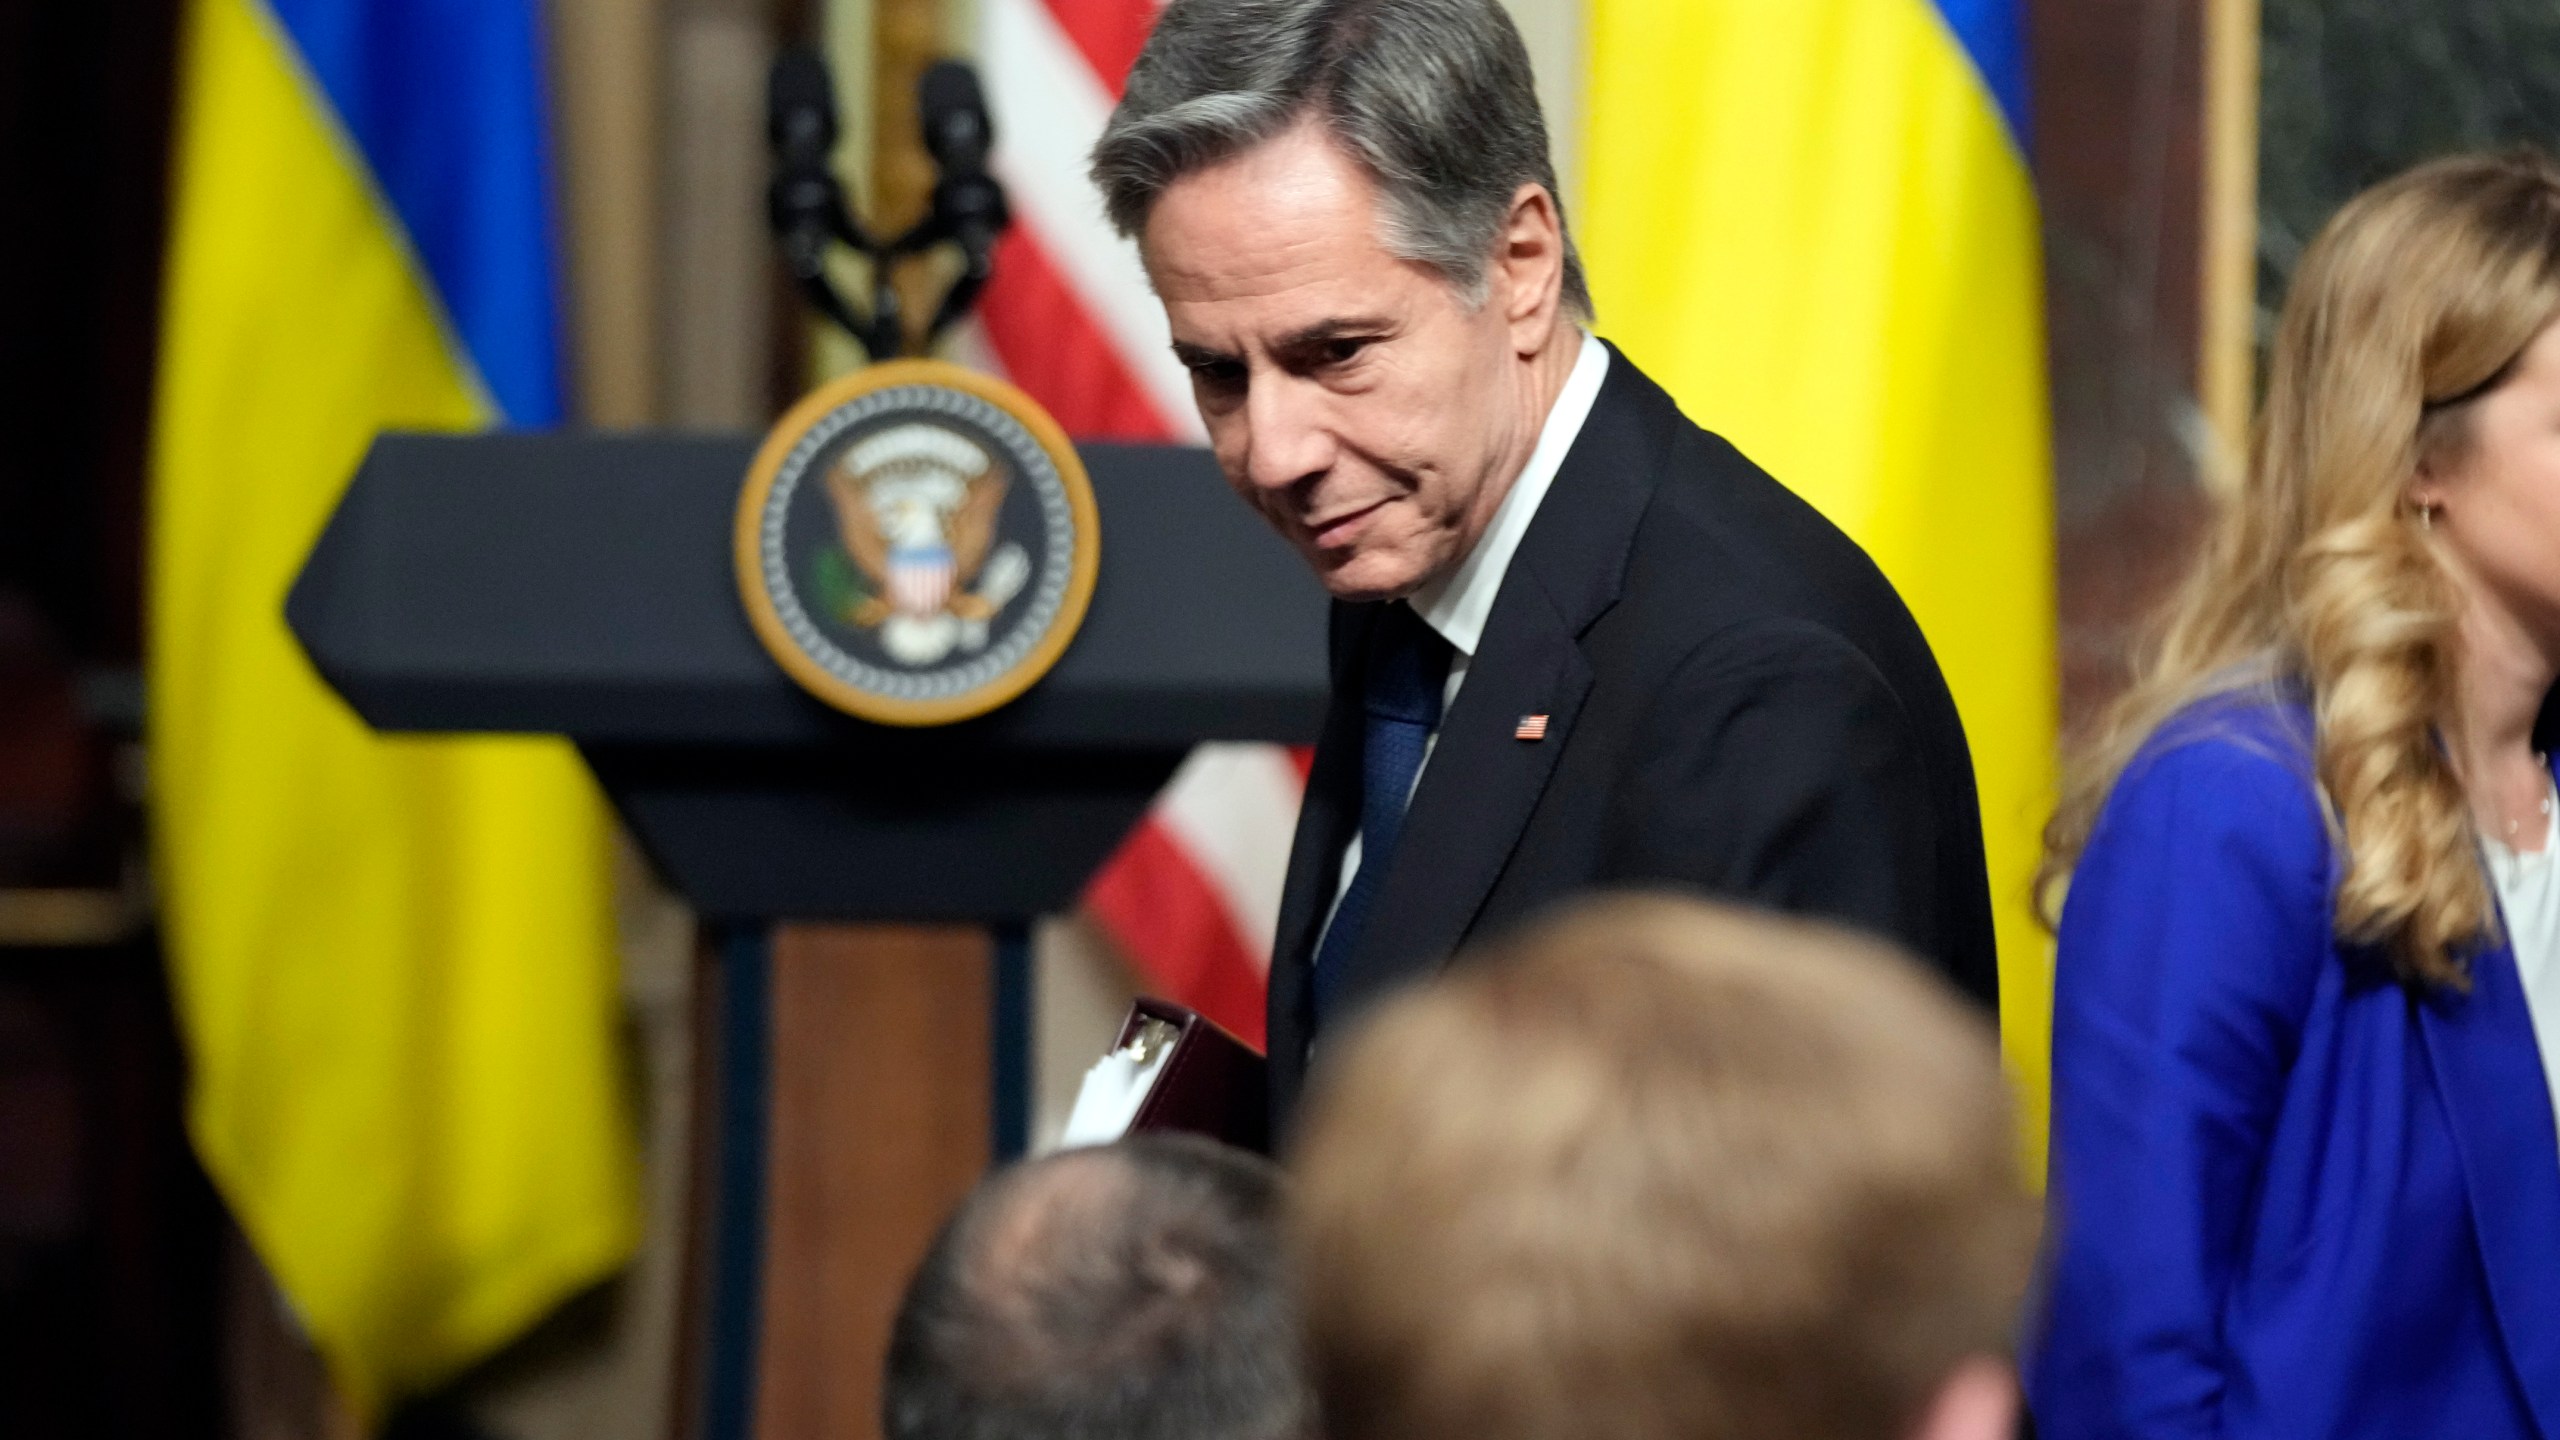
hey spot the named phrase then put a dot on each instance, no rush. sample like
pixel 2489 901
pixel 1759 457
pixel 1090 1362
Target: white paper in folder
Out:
pixel 1117 1085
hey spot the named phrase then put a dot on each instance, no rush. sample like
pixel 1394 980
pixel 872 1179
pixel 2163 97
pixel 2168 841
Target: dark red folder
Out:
pixel 1212 1083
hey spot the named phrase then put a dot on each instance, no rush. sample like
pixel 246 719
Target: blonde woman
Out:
pixel 2305 1169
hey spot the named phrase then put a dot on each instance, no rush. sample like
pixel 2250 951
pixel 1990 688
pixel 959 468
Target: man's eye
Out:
pixel 1221 374
pixel 1343 350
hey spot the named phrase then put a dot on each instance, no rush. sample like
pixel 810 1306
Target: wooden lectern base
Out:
pixel 878 1093
pixel 880 1106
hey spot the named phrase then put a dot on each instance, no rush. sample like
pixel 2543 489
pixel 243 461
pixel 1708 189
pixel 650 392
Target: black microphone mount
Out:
pixel 811 215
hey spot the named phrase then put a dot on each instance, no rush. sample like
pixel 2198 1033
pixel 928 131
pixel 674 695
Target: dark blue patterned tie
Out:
pixel 1400 690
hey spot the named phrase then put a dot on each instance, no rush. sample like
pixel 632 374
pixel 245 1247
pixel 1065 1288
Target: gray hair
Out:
pixel 1432 97
pixel 1136 1291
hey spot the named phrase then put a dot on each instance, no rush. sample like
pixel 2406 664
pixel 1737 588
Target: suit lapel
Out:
pixel 2498 1104
pixel 1482 784
pixel 1476 794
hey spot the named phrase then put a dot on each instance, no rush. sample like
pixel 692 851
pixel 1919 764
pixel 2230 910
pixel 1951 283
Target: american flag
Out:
pixel 1194 894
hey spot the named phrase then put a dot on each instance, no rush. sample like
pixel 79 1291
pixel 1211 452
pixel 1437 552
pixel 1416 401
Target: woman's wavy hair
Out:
pixel 2414 301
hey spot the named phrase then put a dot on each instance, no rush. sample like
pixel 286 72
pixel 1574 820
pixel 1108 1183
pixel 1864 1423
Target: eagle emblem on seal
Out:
pixel 916 507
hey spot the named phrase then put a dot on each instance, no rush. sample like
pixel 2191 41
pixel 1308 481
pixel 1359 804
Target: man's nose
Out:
pixel 1286 437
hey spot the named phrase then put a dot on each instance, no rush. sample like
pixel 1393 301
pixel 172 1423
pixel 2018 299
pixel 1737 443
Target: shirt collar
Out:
pixel 1455 602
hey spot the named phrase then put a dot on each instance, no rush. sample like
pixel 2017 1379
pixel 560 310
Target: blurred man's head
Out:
pixel 1127 1292
pixel 1349 212
pixel 1661 1171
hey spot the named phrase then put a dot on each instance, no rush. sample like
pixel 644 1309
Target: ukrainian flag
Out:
pixel 392 957
pixel 1812 221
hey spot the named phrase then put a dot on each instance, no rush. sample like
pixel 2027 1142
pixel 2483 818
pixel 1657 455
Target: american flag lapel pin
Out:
pixel 1531 727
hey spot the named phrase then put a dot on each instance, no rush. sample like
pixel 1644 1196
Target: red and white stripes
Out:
pixel 1194 894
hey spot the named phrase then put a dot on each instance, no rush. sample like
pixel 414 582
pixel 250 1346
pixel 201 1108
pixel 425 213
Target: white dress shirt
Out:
pixel 1455 603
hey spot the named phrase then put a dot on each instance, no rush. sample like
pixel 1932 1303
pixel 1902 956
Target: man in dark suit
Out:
pixel 1577 641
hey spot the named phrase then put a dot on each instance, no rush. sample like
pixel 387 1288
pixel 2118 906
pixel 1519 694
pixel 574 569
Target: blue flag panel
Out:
pixel 444 100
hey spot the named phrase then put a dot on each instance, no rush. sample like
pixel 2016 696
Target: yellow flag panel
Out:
pixel 1810 222
pixel 392 957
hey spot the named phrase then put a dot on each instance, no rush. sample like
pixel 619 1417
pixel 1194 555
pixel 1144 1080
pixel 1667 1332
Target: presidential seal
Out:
pixel 916 543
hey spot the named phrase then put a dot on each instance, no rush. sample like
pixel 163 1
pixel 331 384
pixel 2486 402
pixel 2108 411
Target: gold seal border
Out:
pixel 1083 566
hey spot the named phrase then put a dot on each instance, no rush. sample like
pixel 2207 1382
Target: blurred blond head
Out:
pixel 1658 1169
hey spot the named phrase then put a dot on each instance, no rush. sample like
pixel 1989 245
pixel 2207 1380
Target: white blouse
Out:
pixel 2528 887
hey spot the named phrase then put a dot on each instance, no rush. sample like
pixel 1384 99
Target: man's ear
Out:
pixel 1977 1401
pixel 1528 268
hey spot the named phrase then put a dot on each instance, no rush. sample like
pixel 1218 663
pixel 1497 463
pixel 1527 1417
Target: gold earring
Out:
pixel 2427 517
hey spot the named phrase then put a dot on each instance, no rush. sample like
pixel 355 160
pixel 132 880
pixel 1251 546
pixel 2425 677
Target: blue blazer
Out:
pixel 2291 1197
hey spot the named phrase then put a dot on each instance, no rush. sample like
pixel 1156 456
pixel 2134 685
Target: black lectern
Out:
pixel 582 586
